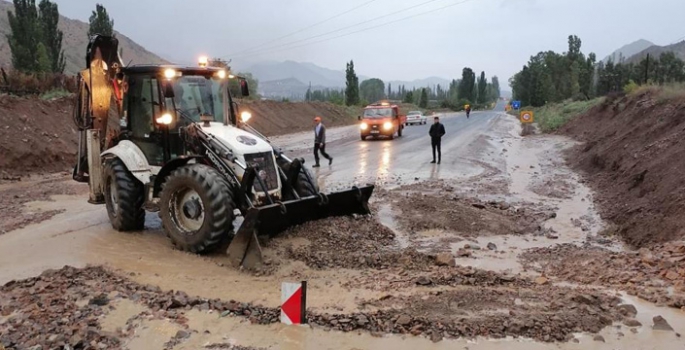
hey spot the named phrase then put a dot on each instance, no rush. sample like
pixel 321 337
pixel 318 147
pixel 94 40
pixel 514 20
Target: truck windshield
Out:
pixel 377 113
pixel 196 95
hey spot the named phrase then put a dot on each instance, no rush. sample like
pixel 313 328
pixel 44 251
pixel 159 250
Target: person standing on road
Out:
pixel 436 133
pixel 468 111
pixel 320 142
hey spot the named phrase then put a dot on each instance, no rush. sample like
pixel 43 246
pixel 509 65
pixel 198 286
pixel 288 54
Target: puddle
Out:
pixel 124 309
pixel 386 216
pixel 152 335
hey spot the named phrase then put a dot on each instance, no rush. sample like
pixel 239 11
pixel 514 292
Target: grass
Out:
pixel 553 116
pixel 670 92
pixel 55 94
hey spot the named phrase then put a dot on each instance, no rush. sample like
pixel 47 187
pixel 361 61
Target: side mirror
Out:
pixel 168 90
pixel 359 117
pixel 244 89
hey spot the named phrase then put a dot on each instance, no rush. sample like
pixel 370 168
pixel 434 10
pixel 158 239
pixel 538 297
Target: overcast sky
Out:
pixel 497 36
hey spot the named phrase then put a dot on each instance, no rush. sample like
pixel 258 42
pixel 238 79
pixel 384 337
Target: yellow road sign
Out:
pixel 526 116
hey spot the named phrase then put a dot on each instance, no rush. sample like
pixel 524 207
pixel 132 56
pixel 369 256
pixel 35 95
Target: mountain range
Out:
pixel 629 50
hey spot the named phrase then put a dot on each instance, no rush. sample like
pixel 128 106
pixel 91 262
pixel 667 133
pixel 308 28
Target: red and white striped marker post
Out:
pixel 293 302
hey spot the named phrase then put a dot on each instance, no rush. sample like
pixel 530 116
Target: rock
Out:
pixel 436 336
pixel 627 310
pixel 403 320
pixel 463 253
pixel 445 259
pixel 504 206
pixel 492 246
pixel 631 322
pixel 344 320
pixel 416 330
pixel 672 275
pixel 478 206
pixel 182 334
pixel 599 338
pixel 423 281
pixel 584 299
pixel 471 246
pixel 552 236
pixel 362 320
pixel 660 324
pixel 100 300
pixel 541 280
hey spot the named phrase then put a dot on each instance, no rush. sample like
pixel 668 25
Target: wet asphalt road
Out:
pixel 407 157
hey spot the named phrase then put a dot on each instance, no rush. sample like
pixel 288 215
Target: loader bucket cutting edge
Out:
pixel 271 220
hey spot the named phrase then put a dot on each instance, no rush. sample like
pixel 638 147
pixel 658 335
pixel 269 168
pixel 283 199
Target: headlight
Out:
pixel 203 61
pixel 363 126
pixel 169 73
pixel 245 116
pixel 221 74
pixel 165 119
pixel 387 125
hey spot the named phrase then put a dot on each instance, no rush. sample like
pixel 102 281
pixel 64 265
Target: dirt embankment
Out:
pixel 36 136
pixel 39 136
pixel 633 155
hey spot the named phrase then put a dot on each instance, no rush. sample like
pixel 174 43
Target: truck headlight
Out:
pixel 363 126
pixel 245 116
pixel 165 119
pixel 387 125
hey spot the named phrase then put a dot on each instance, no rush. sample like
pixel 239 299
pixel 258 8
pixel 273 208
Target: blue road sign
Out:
pixel 516 104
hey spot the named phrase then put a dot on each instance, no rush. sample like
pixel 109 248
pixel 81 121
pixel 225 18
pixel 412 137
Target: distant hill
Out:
pixel 305 72
pixel 291 79
pixel 628 50
pixel 420 83
pixel 655 51
pixel 74 43
pixel 290 88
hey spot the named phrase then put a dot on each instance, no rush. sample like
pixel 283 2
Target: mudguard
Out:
pixel 134 159
pixel 273 219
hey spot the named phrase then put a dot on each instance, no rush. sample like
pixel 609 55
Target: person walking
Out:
pixel 320 142
pixel 437 130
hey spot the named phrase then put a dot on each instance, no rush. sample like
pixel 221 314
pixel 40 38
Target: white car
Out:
pixel 416 117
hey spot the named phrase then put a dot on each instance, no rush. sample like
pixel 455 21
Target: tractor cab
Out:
pixel 158 100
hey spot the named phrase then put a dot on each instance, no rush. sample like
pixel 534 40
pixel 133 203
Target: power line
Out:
pixel 354 32
pixel 348 27
pixel 305 28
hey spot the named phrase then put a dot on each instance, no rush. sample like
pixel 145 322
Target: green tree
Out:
pixel 372 90
pixel 408 97
pixel 24 36
pixel 482 89
pixel 467 85
pixel 100 23
pixel 351 85
pixel 51 36
pixel 44 63
pixel 423 100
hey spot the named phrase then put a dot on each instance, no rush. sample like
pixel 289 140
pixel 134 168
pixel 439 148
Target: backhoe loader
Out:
pixel 171 139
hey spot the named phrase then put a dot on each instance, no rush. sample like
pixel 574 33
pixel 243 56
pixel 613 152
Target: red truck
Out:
pixel 381 119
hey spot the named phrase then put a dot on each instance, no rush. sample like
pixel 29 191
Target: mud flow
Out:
pixel 500 246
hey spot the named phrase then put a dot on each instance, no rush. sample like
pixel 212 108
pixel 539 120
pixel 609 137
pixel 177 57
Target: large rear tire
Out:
pixel 196 206
pixel 399 131
pixel 124 197
pixel 303 187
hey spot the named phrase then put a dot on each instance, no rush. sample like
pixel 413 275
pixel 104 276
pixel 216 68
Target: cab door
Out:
pixel 141 106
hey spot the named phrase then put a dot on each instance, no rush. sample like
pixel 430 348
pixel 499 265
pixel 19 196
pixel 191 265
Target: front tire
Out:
pixel 196 206
pixel 124 197
pixel 399 131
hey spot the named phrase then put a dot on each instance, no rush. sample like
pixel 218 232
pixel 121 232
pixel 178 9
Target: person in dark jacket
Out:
pixel 320 142
pixel 436 132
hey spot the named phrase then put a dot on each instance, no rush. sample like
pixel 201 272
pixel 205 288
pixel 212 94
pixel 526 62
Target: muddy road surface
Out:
pixel 500 246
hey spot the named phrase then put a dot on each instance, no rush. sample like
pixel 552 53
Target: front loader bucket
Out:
pixel 273 219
